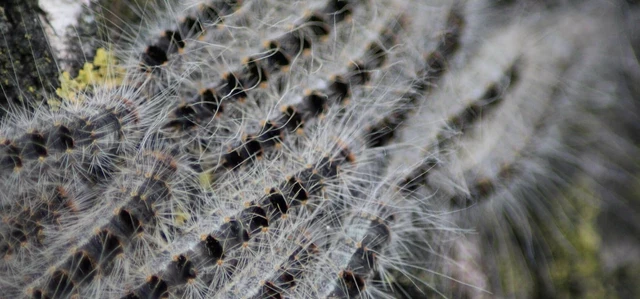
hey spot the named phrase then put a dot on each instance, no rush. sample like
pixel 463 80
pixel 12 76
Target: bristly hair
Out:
pixel 312 149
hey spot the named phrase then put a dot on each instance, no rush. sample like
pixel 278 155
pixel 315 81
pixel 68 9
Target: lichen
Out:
pixel 103 71
pixel 576 269
pixel 27 65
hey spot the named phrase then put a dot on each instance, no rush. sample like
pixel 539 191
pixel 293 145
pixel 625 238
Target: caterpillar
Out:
pixel 313 149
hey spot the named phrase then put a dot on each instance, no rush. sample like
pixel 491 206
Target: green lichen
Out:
pixel 575 268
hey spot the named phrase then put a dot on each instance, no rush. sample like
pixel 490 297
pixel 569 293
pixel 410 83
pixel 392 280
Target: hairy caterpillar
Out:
pixel 296 149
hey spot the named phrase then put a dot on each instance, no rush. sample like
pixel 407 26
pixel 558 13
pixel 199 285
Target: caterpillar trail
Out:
pixel 314 149
pixel 148 207
pixel 270 71
pixel 314 104
pixel 436 65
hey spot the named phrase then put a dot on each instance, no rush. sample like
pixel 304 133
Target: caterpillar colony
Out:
pixel 313 149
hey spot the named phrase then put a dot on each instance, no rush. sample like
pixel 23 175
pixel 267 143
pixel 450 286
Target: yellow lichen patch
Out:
pixel 103 71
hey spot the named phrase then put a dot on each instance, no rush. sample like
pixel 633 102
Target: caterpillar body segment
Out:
pixel 316 149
